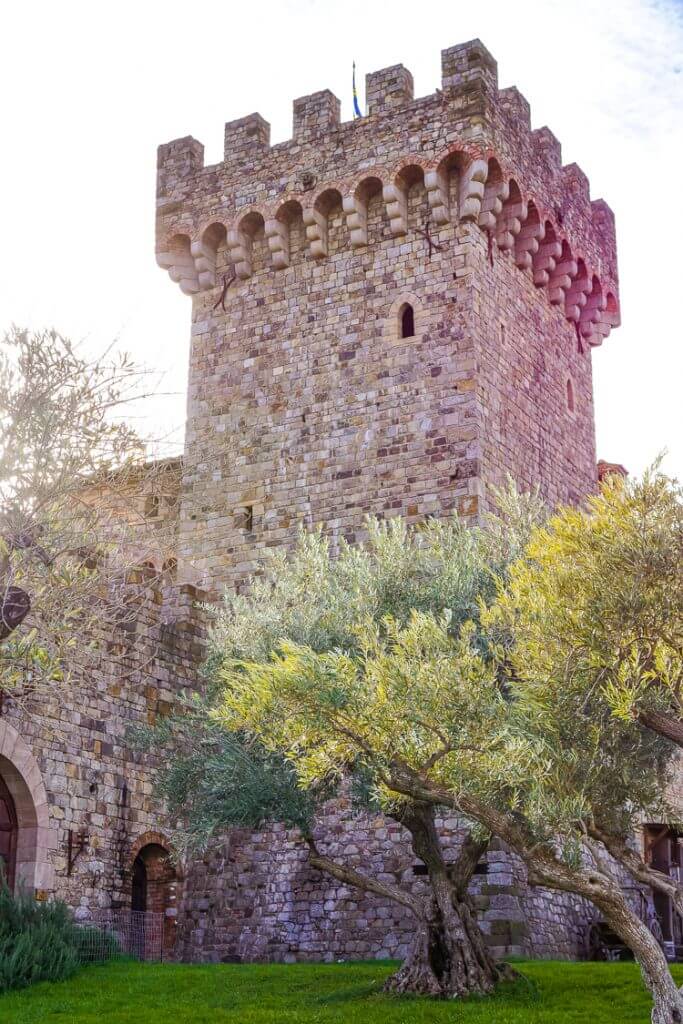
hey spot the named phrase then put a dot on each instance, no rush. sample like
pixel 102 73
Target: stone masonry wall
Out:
pixel 305 404
pixel 96 786
pixel 534 384
pixel 255 898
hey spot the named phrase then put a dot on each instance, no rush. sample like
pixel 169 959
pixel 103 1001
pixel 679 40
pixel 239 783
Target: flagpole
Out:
pixel 356 108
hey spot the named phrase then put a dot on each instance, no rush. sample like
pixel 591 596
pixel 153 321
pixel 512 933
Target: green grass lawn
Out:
pixel 133 993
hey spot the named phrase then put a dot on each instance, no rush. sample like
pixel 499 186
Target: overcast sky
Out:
pixel 89 90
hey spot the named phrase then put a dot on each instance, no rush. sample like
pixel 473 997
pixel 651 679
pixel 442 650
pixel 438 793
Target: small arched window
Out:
pixel 570 395
pixel 152 506
pixel 407 320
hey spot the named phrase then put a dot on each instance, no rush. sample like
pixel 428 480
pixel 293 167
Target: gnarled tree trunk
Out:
pixel 605 892
pixel 669 725
pixel 545 868
pixel 448 956
pixel 444 961
pixel 667 999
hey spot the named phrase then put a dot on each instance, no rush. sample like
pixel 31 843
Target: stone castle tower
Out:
pixel 388 314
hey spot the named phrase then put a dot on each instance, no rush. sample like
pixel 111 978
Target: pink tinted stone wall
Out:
pixel 305 405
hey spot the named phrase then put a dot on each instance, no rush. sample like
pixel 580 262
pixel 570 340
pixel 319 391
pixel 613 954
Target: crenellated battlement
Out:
pixel 470 143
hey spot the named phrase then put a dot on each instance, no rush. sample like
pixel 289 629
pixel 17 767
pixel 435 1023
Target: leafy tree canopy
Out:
pixel 596 611
pixel 71 466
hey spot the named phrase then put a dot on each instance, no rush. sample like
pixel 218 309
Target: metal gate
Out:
pixel 136 933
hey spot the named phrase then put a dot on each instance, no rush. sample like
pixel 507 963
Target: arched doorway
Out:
pixel 26 835
pixel 8 835
pixel 153 876
pixel 153 898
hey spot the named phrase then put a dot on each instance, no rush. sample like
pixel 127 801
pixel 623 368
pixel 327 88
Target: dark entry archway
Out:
pixel 8 835
pixel 153 896
pixel 139 888
pixel 153 874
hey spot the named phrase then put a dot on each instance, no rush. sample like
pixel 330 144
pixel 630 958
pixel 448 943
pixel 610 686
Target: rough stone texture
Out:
pixel 306 405
pixel 257 898
pixel 72 769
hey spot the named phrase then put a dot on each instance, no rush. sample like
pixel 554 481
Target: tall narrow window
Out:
pixel 152 506
pixel 244 518
pixel 407 321
pixel 570 395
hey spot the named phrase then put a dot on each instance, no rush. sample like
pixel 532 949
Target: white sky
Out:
pixel 89 90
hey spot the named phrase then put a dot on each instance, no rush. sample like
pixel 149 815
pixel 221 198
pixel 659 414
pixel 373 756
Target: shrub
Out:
pixel 41 942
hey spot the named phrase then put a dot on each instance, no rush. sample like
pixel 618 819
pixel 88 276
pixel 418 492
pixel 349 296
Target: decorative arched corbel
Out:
pixel 562 275
pixel 178 260
pixel 545 260
pixel 316 232
pixel 496 192
pixel 205 265
pixel 577 293
pixel 436 184
pixel 396 201
pixel 239 245
pixel 596 303
pixel 277 234
pixel 472 188
pixel 356 207
pixel 609 318
pixel 356 213
pixel 510 218
pixel 317 220
pixel 205 254
pixel 529 239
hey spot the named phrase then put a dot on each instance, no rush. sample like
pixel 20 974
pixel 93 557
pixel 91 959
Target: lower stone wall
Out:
pixel 84 800
pixel 557 923
pixel 255 898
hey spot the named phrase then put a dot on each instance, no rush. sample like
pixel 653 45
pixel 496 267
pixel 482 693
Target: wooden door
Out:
pixel 8 834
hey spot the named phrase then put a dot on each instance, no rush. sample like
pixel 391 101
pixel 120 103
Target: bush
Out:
pixel 41 942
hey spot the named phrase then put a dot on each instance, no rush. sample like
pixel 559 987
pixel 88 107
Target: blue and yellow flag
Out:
pixel 356 108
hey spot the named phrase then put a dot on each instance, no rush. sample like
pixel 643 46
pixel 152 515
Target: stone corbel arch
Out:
pixel 36 837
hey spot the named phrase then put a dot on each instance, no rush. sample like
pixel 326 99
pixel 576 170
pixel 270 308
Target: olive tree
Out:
pixel 322 597
pixel 446 713
pixel 591 624
pixel 73 529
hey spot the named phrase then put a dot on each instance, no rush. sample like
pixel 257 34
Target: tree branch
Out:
pixel 662 724
pixel 352 877
pixel 636 866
